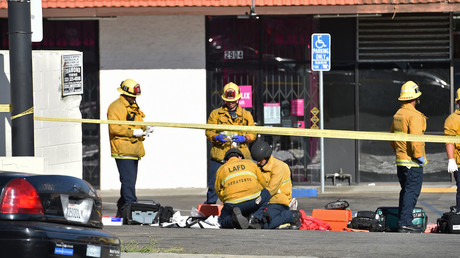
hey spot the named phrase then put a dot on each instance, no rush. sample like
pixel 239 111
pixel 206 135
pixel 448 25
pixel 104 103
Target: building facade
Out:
pixel 182 54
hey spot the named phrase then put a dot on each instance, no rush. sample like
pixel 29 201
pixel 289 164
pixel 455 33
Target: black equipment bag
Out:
pixel 141 213
pixel 449 223
pixel 366 220
pixel 166 214
pixel 337 205
pixel 366 214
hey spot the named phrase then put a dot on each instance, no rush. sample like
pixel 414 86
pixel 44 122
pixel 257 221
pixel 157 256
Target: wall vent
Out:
pixel 404 38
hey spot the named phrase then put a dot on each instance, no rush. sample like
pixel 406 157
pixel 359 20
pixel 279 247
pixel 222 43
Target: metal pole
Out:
pixel 321 127
pixel 22 123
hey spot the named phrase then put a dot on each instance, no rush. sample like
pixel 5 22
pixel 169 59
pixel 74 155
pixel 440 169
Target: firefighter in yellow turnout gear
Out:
pixel 240 185
pixel 452 127
pixel 228 114
pixel 410 156
pixel 279 184
pixel 126 141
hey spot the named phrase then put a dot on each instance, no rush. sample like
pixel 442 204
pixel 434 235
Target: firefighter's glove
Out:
pixel 148 131
pixel 452 166
pixel 221 138
pixel 239 138
pixel 421 160
pixel 138 133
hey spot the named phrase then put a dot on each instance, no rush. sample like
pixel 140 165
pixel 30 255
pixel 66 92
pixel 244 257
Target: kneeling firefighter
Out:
pixel 240 186
pixel 278 176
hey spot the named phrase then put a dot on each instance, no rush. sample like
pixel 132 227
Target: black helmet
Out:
pixel 260 150
pixel 233 152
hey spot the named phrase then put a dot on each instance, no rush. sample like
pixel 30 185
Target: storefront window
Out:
pixel 232 40
pixel 271 56
pixel 286 39
pixel 379 90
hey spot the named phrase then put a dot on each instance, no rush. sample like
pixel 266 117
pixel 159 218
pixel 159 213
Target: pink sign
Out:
pixel 246 96
pixel 299 124
pixel 297 107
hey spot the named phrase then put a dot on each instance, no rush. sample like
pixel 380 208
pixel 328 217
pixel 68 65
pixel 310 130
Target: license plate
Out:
pixel 93 251
pixel 74 211
pixel 77 210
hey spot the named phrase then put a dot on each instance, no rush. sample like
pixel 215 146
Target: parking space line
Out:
pixel 430 207
pixel 439 190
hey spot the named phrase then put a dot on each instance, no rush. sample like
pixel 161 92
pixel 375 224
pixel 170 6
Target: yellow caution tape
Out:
pixel 326 133
pixel 5 108
pixel 27 112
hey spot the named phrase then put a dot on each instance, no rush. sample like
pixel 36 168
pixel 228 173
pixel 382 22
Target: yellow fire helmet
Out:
pixel 130 87
pixel 231 92
pixel 409 91
pixel 458 95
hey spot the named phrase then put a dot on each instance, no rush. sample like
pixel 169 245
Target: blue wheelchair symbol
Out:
pixel 319 43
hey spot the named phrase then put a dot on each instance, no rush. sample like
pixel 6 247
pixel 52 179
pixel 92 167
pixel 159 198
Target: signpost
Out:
pixel 321 61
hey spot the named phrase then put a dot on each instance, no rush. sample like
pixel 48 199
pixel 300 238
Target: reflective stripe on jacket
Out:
pixel 221 116
pixel 279 184
pixel 410 121
pixel 452 128
pixel 239 180
pixel 123 144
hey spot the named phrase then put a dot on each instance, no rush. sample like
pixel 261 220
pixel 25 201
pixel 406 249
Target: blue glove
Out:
pixel 239 138
pixel 221 138
pixel 421 160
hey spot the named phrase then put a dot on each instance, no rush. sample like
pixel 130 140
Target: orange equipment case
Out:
pixel 210 209
pixel 338 219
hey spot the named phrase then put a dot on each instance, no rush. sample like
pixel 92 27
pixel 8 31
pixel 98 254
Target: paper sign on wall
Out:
pixel 272 113
pixel 246 96
pixel 72 74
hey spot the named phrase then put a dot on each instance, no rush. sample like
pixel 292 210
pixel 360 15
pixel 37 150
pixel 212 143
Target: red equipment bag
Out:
pixel 311 223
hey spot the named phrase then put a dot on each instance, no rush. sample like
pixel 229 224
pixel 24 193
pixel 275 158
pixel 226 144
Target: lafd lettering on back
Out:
pixel 236 168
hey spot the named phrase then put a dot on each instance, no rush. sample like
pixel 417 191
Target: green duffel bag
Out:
pixel 390 217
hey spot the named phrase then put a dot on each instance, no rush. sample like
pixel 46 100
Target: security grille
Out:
pixel 282 85
pixel 404 38
pixel 278 85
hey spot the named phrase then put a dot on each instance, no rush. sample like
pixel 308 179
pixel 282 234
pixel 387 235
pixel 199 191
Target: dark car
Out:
pixel 52 216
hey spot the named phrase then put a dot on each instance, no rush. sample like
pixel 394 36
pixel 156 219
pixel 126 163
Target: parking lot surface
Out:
pixel 434 199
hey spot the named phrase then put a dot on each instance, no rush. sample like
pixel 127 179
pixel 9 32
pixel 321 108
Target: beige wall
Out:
pixel 58 145
pixel 166 56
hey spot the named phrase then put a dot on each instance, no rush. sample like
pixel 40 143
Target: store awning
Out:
pixel 104 8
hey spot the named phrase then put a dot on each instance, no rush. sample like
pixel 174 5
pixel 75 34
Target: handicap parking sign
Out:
pixel 321 52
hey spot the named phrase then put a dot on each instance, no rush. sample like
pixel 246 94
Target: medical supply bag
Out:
pixel 390 217
pixel 141 213
pixel 449 223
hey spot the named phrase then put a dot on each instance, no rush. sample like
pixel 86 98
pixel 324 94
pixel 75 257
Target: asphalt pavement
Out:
pixel 435 199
